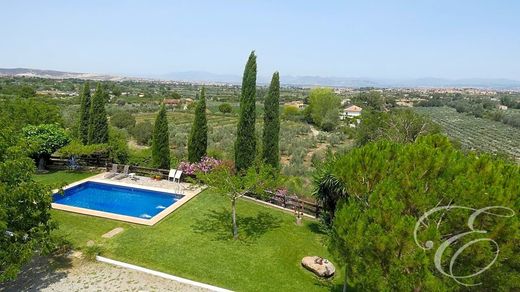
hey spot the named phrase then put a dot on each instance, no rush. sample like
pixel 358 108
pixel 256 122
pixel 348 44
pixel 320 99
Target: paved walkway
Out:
pixel 72 274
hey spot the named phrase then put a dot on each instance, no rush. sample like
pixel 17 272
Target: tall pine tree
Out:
pixel 84 114
pixel 198 142
pixel 161 141
pixel 245 145
pixel 271 135
pixel 98 124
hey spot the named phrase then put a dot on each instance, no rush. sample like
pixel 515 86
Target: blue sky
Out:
pixel 377 39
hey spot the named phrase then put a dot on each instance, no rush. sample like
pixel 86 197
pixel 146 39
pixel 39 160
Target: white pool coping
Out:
pixel 160 274
pixel 187 195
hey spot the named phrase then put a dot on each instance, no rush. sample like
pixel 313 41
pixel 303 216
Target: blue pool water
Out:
pixel 120 200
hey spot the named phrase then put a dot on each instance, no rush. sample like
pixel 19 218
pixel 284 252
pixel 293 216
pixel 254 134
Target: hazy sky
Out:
pixel 388 39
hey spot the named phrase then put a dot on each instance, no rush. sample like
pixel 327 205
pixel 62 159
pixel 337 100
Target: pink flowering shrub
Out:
pixel 205 165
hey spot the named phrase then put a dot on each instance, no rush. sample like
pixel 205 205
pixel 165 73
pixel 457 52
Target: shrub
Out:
pixel 142 132
pixel 117 145
pixel 205 165
pixel 76 148
pixel 122 120
pixel 90 252
pixel 225 108
pixel 291 113
pixel 140 157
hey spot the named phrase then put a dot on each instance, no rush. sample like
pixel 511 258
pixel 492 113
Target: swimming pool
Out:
pixel 104 199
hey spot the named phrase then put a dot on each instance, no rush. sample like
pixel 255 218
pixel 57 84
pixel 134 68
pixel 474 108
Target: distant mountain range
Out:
pixel 201 77
pixel 56 74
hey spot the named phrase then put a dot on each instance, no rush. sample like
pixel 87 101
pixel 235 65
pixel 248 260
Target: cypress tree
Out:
pixel 98 124
pixel 84 114
pixel 198 141
pixel 271 135
pixel 161 141
pixel 245 145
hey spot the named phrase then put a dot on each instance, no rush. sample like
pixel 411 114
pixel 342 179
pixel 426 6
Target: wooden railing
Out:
pixel 285 201
pixel 59 162
pixel 292 202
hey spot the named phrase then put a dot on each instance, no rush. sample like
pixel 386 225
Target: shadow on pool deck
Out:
pixel 249 227
pixel 39 273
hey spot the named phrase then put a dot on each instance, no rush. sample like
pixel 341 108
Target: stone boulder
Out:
pixel 319 266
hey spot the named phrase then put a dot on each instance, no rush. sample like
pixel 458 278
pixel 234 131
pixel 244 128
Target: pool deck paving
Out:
pixel 113 232
pixel 188 191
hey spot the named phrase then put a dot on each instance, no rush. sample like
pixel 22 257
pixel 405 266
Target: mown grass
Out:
pixel 195 242
pixel 60 178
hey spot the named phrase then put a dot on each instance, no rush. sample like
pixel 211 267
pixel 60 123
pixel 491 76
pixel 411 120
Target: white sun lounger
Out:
pixel 171 175
pixel 124 174
pixel 113 172
pixel 177 176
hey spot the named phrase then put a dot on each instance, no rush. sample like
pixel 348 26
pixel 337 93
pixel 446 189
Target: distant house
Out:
pixel 350 112
pixel 172 102
pixel 502 107
pixel 297 104
pixel 180 103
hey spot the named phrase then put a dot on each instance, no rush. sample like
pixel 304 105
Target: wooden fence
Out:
pixel 293 203
pixel 63 163
pixel 285 201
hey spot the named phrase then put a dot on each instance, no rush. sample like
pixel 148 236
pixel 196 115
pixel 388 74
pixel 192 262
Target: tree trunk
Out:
pixel 234 216
pixel 345 280
pixel 41 163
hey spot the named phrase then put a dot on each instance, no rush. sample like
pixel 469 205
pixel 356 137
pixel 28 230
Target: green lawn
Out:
pixel 60 178
pixel 195 242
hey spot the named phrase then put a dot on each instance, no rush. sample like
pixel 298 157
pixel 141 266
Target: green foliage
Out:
pixel 225 108
pixel 399 125
pixel 22 112
pixel 224 181
pixel 118 146
pixel 161 141
pixel 245 145
pixel 141 157
pixel 26 92
pixel 78 149
pixel 98 124
pixel 381 190
pixel 142 132
pixel 46 138
pixel 25 220
pixel 373 99
pixel 122 120
pixel 92 251
pixel 323 109
pixel 474 133
pixel 198 141
pixel 271 134
pixel 291 113
pixel 84 114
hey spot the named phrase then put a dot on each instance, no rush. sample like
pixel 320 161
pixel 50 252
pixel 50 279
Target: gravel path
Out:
pixel 70 274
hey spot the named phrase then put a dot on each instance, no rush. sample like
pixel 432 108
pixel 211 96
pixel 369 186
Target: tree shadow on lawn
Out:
pixel 316 227
pixel 250 228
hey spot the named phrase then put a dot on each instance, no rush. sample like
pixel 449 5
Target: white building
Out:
pixel 351 112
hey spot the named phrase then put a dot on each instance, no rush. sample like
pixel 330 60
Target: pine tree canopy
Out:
pixel 380 191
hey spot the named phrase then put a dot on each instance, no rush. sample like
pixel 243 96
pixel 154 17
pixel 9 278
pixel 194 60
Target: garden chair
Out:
pixel 171 175
pixel 124 174
pixel 113 172
pixel 177 176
